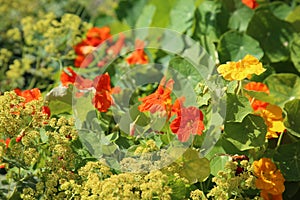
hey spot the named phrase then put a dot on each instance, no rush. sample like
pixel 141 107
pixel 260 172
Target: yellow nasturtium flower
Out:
pixel 241 69
pixel 269 179
pixel 273 119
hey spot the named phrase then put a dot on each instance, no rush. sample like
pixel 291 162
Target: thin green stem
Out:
pixel 279 139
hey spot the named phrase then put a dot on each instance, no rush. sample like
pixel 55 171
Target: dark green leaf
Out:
pixel 288 157
pixel 238 107
pixel 235 45
pixel 273 34
pixel 248 134
pixel 295 52
pixel 294 18
pixel 291 121
pixel 283 87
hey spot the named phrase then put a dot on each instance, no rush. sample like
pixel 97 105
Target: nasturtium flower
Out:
pixel 6 142
pixel 273 119
pixel 258 87
pixel 138 56
pixel 269 179
pixel 241 69
pixel 95 36
pixel 29 95
pixel 250 3
pixel 160 100
pixel 103 99
pixel 188 121
pixel 69 76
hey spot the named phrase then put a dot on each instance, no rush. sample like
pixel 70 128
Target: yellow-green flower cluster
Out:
pixel 17 118
pixel 43 43
pixel 230 185
pixel 99 183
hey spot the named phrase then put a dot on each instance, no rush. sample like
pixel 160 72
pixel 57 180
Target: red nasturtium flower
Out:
pixel 68 76
pixel 189 120
pixel 138 56
pixel 259 87
pixel 103 99
pixel 6 142
pixel 95 36
pixel 250 3
pixel 30 95
pixel 160 100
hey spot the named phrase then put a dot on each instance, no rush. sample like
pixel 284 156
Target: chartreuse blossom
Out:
pixel 269 179
pixel 241 69
pixel 230 185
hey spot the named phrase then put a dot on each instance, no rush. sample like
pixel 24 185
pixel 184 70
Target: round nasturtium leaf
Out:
pixel 291 121
pixel 273 34
pixel 234 46
pixel 283 87
pixel 295 52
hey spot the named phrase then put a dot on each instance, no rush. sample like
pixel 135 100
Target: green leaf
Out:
pixel 262 96
pixel 130 10
pixel 283 87
pixel 280 9
pixel 248 134
pixel 186 69
pixel 234 46
pixel 295 52
pixel 195 169
pixel 212 20
pixel 181 16
pixel 240 18
pixel 163 9
pixel 60 100
pixel 238 107
pixel 146 16
pixel 294 18
pixel 292 109
pixel 273 34
pixel 288 157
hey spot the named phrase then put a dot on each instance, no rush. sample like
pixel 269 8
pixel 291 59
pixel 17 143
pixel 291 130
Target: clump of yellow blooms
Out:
pixel 98 182
pixel 44 43
pixel 230 185
pixel 241 69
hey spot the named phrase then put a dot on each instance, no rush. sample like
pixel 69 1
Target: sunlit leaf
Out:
pixel 248 134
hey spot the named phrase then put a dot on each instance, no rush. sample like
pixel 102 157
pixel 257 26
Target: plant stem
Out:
pixel 279 140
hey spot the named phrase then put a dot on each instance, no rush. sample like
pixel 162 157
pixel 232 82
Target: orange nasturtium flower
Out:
pixel 138 56
pixel 69 76
pixel 103 99
pixel 269 179
pixel 95 36
pixel 250 3
pixel 189 120
pixel 273 119
pixel 30 95
pixel 241 69
pixel 160 100
pixel 259 87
